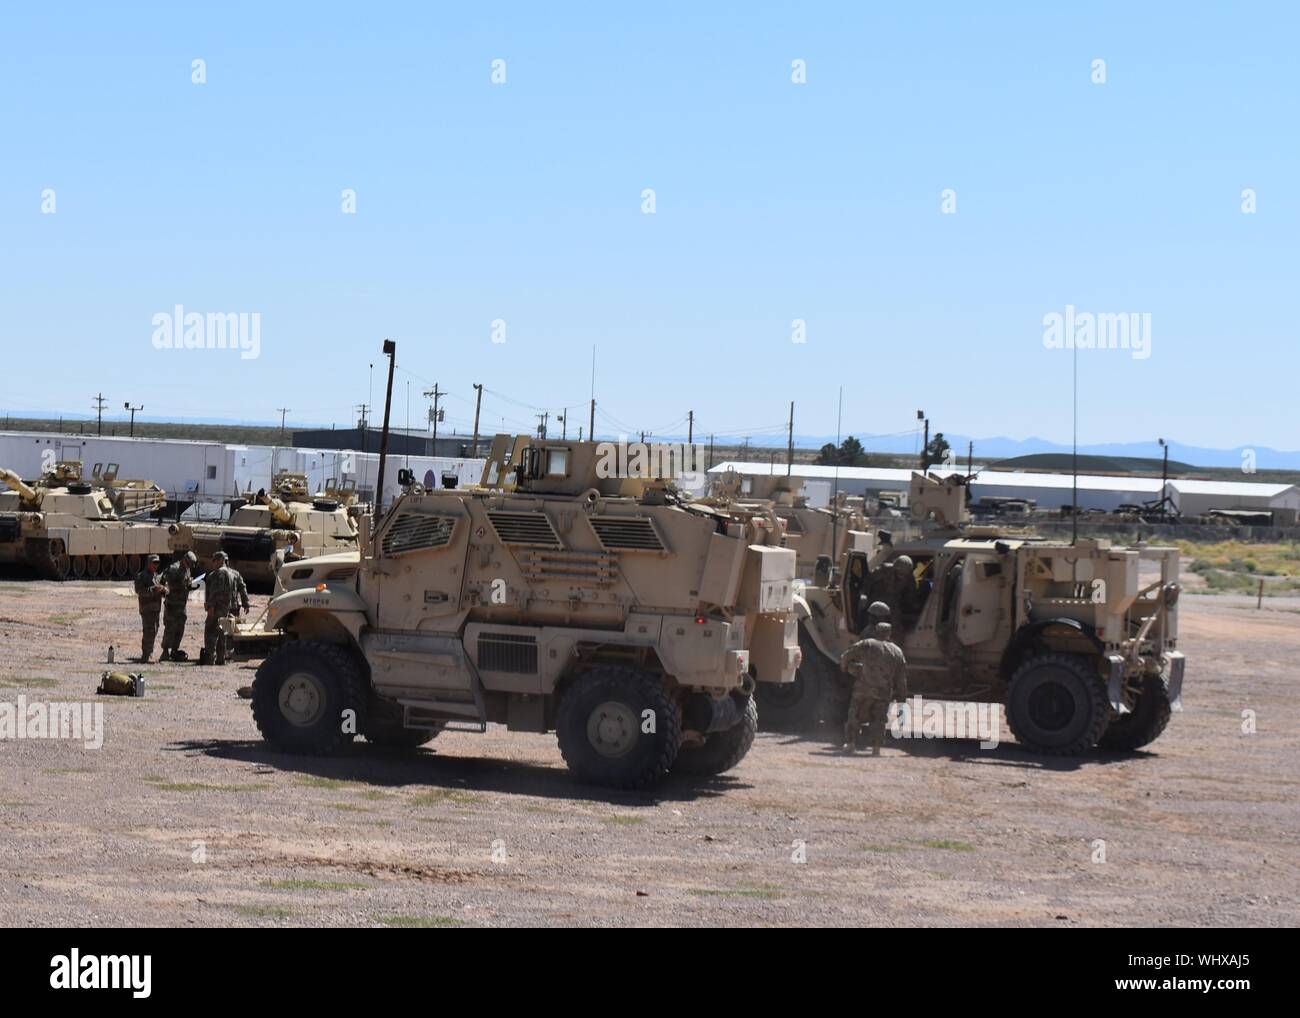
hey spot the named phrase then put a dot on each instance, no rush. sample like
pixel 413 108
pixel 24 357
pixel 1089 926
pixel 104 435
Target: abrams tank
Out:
pixel 267 528
pixel 1079 641
pixel 63 527
pixel 557 596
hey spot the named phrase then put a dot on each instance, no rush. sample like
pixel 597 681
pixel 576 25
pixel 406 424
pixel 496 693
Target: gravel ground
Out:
pixel 183 817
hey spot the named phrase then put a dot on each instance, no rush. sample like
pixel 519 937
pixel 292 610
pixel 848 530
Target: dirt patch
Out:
pixel 185 817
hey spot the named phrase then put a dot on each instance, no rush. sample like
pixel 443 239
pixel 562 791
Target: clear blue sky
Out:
pixel 775 201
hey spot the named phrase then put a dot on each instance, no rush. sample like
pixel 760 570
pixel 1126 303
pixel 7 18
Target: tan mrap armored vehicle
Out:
pixel 265 528
pixel 64 527
pixel 814 533
pixel 556 597
pixel 1078 641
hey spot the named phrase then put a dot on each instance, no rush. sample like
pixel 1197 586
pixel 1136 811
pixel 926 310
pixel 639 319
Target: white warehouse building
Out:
pixel 1047 490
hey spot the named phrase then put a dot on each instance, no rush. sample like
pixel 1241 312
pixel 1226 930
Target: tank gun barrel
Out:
pixel 26 491
pixel 279 510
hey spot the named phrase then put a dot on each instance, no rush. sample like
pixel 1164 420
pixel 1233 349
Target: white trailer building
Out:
pixel 209 472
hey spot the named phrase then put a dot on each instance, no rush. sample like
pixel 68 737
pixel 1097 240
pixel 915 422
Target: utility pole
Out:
pixel 690 427
pixel 99 413
pixel 1164 477
pixel 789 449
pixel 541 423
pixel 710 466
pixel 433 414
pixel 390 349
pixel 133 409
pixel 283 410
pixel 925 446
pixel 970 460
pixel 478 402
pixel 564 424
pixel 363 423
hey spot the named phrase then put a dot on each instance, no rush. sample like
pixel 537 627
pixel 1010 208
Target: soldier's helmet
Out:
pixel 191 558
pixel 903 566
pixel 220 556
pixel 878 611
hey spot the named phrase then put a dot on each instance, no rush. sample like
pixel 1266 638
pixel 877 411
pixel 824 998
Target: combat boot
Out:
pixel 166 655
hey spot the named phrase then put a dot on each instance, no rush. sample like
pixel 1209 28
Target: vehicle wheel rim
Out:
pixel 302 699
pixel 612 729
pixel 1051 706
pixel 79 566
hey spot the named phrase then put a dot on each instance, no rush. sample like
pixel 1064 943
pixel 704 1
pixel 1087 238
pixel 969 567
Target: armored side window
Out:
pixel 418 532
pixel 557 462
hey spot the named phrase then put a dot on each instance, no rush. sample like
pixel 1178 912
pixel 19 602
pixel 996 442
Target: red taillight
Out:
pixel 700 620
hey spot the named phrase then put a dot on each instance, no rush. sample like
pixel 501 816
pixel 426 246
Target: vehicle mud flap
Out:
pixel 1172 676
pixel 1115 687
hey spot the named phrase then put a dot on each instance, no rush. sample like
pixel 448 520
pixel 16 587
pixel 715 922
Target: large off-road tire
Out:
pixel 721 751
pixel 1144 723
pixel 599 728
pixel 799 705
pixel 300 695
pixel 1056 704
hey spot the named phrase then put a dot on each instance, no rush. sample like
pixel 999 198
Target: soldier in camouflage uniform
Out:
pixel 177 580
pixel 149 590
pixel 880 675
pixel 225 594
pixel 894 585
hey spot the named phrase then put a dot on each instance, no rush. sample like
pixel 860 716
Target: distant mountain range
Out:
pixel 999 448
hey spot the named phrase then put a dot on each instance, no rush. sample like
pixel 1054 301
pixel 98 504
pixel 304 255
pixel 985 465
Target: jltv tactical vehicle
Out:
pixel 1078 640
pixel 629 620
pixel 264 529
pixel 64 527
